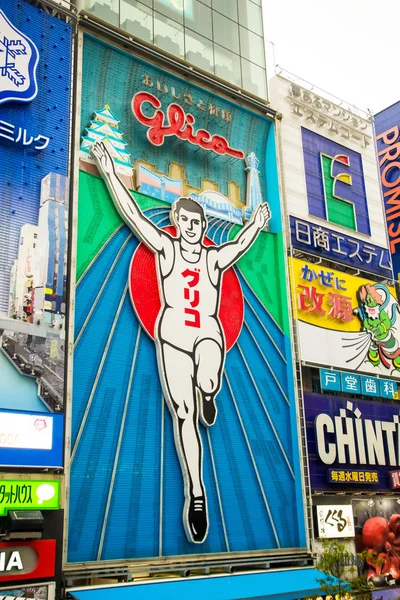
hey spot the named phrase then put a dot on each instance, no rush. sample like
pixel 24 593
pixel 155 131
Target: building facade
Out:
pixel 224 39
pixel 345 309
pixel 163 116
pixel 35 75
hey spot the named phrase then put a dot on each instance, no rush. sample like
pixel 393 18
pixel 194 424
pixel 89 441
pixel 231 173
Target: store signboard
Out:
pixel 350 383
pixel 20 494
pixel 352 444
pixel 335 521
pixel 344 321
pixel 341 248
pixel 31 439
pixel 387 128
pixel 331 183
pixel 27 560
pixel 34 147
pixel 160 458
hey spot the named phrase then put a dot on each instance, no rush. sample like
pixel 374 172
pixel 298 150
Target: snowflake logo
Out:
pixel 18 62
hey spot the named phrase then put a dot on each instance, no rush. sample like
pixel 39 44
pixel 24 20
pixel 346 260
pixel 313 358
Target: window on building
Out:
pixel 137 18
pixel 171 8
pixel 227 65
pixel 252 47
pixel 250 16
pixel 254 78
pixel 199 51
pixel 168 35
pixel 108 10
pixel 226 32
pixel 199 19
pixel 229 9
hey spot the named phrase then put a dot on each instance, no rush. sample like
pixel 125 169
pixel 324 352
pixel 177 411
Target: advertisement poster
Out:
pixel 377 521
pixel 353 445
pixel 387 124
pixel 182 364
pixel 34 148
pixel 345 321
pixel 35 592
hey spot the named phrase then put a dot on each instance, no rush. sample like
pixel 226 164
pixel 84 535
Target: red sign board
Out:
pixel 27 560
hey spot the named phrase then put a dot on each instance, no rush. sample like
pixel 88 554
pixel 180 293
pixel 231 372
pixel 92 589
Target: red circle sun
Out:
pixel 145 295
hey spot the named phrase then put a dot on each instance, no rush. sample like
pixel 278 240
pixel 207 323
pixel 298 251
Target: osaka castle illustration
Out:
pixel 104 126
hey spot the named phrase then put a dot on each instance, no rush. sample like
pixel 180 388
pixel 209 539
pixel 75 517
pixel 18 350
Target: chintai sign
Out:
pixel 352 444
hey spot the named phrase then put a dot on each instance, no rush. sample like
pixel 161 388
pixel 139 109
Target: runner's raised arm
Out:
pixel 227 254
pixel 154 238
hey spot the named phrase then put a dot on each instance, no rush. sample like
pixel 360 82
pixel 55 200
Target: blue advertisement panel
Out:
pixel 352 444
pixel 182 363
pixel 387 124
pixel 34 146
pixel 339 248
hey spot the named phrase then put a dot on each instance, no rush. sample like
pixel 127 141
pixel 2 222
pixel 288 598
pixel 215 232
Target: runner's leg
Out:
pixel 177 373
pixel 209 360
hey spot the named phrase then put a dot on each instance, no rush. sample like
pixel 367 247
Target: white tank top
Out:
pixel 188 289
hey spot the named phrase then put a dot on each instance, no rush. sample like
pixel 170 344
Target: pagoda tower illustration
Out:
pixel 253 191
pixel 104 126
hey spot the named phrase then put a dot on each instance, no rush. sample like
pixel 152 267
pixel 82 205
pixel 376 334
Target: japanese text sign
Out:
pixel 326 297
pixel 355 384
pixel 352 444
pixel 335 521
pixel 330 380
pixel 351 383
pixel 387 141
pixel 23 495
pixel 339 247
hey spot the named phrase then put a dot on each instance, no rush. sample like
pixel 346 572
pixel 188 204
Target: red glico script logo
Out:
pixel 177 123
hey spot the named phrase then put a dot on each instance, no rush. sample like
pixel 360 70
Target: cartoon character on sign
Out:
pixel 379 313
pixel 189 337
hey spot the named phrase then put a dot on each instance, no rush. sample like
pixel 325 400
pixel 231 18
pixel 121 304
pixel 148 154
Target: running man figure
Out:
pixel 189 338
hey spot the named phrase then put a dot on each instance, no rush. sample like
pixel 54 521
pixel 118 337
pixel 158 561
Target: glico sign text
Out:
pixel 178 123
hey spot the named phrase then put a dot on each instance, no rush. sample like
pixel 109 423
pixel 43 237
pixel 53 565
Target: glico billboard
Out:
pixel 331 185
pixel 184 420
pixel 387 131
pixel 34 145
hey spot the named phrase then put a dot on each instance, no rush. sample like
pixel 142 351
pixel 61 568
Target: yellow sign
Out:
pixel 326 297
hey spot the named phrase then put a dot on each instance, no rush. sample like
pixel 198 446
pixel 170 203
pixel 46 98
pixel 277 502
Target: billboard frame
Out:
pixel 182 563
